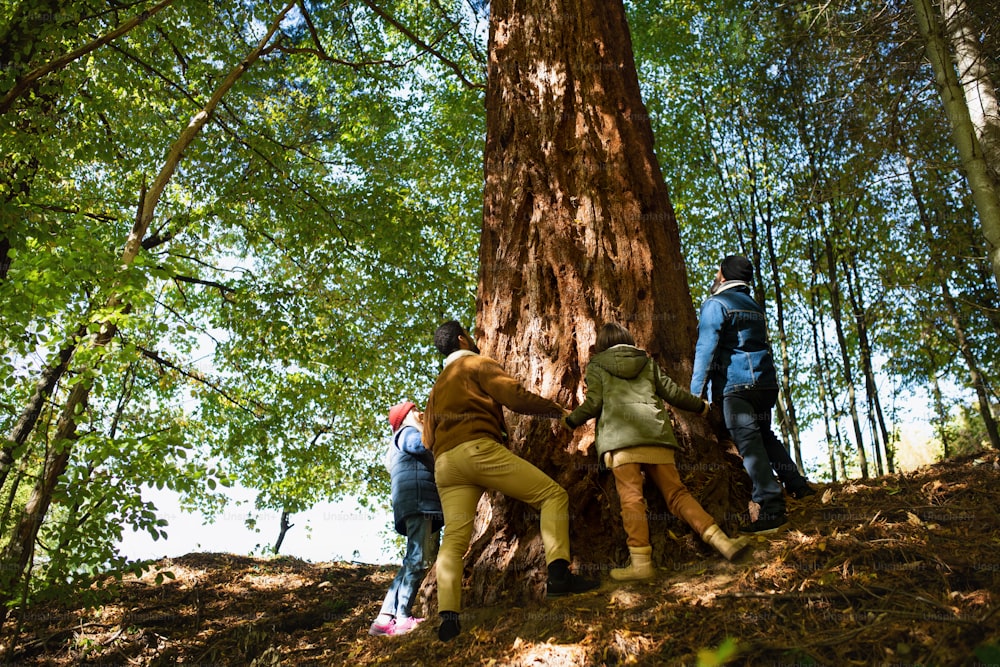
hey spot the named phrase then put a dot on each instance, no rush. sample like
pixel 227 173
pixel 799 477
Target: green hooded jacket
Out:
pixel 626 391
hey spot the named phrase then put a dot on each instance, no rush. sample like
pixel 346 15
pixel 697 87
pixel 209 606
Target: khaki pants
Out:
pixel 680 502
pixel 462 475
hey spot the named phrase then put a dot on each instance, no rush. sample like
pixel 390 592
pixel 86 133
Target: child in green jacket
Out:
pixel 626 391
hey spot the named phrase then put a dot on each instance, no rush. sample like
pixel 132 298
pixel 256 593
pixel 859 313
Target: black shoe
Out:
pixel 450 626
pixel 765 525
pixel 802 492
pixel 571 585
pixel 563 582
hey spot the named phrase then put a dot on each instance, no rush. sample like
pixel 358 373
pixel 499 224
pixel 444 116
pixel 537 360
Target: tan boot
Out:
pixel 640 565
pixel 724 544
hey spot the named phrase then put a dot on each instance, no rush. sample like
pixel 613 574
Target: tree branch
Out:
pixel 320 51
pixel 25 82
pixel 188 135
pixel 199 377
pixel 452 65
pixel 225 290
pixel 101 217
pixel 323 55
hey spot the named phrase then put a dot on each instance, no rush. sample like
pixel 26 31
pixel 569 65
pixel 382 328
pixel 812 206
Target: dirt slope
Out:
pixel 901 570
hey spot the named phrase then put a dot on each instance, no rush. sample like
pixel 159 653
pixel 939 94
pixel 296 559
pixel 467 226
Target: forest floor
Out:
pixel 898 570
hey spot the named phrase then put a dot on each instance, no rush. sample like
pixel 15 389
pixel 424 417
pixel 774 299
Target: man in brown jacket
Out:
pixel 464 428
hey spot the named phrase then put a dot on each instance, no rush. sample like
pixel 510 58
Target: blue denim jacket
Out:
pixel 732 353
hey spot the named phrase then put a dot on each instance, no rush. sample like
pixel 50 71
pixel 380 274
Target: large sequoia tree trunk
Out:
pixel 578 230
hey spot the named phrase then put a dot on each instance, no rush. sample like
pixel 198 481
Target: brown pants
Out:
pixel 680 502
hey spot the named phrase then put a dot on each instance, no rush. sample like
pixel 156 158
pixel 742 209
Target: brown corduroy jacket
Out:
pixel 467 401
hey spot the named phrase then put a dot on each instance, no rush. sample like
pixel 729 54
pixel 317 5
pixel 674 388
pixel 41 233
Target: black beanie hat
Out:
pixel 737 267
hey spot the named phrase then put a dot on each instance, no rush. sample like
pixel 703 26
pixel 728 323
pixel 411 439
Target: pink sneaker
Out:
pixel 405 625
pixel 383 630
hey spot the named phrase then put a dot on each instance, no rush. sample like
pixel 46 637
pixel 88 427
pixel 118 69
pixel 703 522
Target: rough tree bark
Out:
pixel 578 230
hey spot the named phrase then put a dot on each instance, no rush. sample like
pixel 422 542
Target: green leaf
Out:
pixel 726 652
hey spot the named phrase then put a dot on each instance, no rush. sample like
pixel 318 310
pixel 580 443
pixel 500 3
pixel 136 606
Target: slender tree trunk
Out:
pixel 835 306
pixel 19 549
pixel 942 417
pixel 828 374
pixel 732 202
pixel 984 186
pixel 980 92
pixel 841 457
pixel 815 323
pixel 44 387
pixel 8 507
pixel 887 438
pixel 873 431
pixel 830 445
pixel 976 376
pixel 282 531
pixel 867 368
pixel 790 421
pixel 578 230
pixel 20 546
pixel 951 308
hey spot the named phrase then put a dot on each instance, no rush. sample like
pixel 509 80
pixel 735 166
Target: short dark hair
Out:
pixel 446 337
pixel 612 334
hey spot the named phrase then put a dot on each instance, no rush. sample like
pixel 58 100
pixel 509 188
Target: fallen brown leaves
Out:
pixel 901 570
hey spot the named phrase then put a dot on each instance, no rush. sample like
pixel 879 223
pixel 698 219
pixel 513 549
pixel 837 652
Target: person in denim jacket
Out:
pixel 733 366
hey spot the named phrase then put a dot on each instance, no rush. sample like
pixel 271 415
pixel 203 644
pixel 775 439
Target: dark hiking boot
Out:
pixel 802 492
pixel 450 627
pixel 563 582
pixel 766 524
